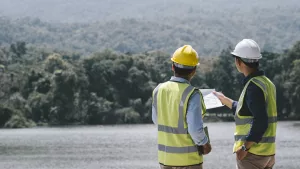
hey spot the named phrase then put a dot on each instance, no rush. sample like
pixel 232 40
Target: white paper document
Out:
pixel 211 101
pixel 206 91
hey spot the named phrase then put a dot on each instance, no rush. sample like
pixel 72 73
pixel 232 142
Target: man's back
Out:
pixel 177 110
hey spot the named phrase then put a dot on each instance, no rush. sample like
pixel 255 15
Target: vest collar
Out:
pixel 179 79
pixel 254 74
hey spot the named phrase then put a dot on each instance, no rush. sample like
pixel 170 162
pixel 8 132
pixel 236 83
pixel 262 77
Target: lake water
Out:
pixel 123 147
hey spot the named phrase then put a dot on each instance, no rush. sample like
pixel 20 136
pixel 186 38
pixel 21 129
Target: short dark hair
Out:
pixel 183 72
pixel 253 65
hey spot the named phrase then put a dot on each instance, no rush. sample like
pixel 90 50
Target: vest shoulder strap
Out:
pixel 202 101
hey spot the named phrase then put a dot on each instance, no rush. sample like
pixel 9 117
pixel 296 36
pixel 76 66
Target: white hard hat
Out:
pixel 247 49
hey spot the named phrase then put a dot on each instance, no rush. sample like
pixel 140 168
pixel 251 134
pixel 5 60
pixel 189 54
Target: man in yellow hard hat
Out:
pixel 177 111
pixel 255 111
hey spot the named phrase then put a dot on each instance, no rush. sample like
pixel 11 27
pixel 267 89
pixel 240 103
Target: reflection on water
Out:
pixel 123 147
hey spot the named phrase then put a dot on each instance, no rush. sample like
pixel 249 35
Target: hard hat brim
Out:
pixel 184 66
pixel 237 55
pixel 188 65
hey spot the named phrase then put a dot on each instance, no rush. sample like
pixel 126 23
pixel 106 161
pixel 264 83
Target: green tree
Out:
pixel 99 110
pixel 293 90
pixel 19 49
pixel 224 76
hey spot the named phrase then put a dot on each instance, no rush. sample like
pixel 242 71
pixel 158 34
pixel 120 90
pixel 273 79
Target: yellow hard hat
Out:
pixel 186 56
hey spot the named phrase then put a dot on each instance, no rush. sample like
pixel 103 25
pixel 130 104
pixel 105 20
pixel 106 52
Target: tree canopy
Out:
pixel 39 86
pixel 135 27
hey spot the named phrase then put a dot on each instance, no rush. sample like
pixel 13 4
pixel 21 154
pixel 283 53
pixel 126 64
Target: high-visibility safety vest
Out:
pixel 175 145
pixel 266 146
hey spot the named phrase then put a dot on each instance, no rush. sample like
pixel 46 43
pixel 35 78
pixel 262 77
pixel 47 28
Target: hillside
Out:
pixel 45 87
pixel 107 10
pixel 132 26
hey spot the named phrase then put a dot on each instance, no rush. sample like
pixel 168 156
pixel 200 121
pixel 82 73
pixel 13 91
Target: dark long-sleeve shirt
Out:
pixel 254 105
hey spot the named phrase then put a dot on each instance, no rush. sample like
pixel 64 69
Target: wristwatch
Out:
pixel 244 148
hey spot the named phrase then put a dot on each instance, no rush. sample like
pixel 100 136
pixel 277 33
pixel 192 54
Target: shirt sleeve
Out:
pixel 256 103
pixel 154 114
pixel 194 120
pixel 234 106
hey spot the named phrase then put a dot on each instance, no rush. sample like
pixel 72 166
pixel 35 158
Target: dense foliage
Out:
pixel 43 87
pixel 137 26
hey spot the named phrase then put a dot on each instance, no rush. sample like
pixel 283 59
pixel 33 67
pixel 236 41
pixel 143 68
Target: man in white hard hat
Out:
pixel 255 111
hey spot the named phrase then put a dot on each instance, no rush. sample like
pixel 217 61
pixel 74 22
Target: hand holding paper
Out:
pixel 224 100
pixel 212 101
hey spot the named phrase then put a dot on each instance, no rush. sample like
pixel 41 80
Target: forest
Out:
pixel 135 26
pixel 43 87
pixel 97 62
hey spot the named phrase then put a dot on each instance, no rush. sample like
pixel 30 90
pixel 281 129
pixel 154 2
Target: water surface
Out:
pixel 123 147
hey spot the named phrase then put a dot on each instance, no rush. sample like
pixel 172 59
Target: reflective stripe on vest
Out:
pixel 263 140
pixel 179 150
pixel 175 145
pixel 180 129
pixel 239 121
pixel 266 146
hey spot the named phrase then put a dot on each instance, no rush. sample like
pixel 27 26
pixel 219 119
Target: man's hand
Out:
pixel 224 100
pixel 206 148
pixel 220 96
pixel 241 154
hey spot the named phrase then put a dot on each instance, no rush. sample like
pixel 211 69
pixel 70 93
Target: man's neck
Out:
pixel 186 78
pixel 249 72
